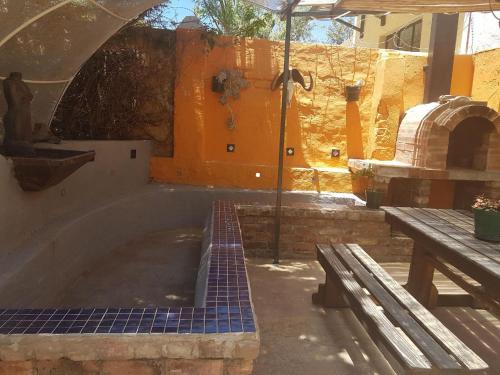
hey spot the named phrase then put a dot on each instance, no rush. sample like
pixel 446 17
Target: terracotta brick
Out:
pixel 238 367
pixel 16 368
pixel 66 366
pixel 136 367
pixel 301 232
pixel 354 216
pixel 199 367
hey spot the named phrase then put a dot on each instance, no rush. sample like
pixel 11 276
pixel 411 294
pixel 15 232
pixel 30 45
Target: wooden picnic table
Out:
pixel 444 240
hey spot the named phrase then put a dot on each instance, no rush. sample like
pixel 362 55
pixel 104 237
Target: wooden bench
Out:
pixel 413 338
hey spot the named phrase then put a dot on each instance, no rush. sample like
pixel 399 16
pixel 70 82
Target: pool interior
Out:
pixel 225 304
pixel 157 269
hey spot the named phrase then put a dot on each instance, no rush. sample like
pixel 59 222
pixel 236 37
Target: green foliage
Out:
pixel 363 172
pixel 488 204
pixel 301 29
pixel 338 33
pixel 239 18
pixel 234 17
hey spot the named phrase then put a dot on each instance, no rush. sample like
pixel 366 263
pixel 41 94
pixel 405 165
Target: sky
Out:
pixel 178 9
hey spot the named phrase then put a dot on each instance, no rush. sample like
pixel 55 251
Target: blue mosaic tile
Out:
pixel 227 308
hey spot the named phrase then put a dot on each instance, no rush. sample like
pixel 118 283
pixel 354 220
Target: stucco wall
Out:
pixel 113 173
pixel 486 81
pixel 317 122
pixel 399 86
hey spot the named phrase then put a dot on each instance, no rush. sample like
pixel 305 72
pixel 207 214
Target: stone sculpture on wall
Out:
pixel 35 168
pixel 19 132
pixel 18 138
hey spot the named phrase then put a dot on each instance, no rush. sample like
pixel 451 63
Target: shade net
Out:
pixel 399 6
pixel 276 6
pixel 49 40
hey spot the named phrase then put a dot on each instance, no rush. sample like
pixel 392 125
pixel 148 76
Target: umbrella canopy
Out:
pixel 49 40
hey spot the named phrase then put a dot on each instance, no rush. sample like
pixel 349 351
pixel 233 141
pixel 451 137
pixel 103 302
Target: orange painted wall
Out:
pixel 317 121
pixel 462 75
pixel 486 79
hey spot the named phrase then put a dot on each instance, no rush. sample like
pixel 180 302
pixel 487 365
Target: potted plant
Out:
pixel 359 180
pixel 373 197
pixel 352 91
pixel 487 218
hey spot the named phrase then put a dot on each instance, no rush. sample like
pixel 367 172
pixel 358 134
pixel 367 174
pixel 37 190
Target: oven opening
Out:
pixel 468 144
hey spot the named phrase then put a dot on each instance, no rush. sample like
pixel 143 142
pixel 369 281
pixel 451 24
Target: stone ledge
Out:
pixel 303 227
pixel 104 347
pixel 395 169
pixel 354 213
pixel 132 367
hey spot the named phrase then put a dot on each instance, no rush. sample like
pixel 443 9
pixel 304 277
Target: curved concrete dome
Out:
pixel 49 40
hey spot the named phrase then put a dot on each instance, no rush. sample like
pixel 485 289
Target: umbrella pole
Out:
pixel 284 95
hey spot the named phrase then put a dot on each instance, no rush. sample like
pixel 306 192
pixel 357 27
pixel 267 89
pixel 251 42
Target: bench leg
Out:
pixel 329 294
pixel 420 278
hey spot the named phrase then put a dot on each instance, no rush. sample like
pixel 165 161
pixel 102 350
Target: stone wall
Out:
pixel 132 367
pixel 302 228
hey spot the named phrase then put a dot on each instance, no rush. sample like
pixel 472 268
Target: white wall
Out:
pixel 483 31
pixel 111 175
pixel 374 34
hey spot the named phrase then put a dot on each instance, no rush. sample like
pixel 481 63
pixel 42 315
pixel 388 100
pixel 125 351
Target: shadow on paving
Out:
pixel 299 338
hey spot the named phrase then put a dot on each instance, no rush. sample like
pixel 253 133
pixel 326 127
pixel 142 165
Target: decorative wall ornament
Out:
pixel 294 77
pixel 352 91
pixel 232 82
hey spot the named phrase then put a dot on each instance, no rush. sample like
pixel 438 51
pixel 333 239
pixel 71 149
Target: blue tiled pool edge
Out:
pixel 227 306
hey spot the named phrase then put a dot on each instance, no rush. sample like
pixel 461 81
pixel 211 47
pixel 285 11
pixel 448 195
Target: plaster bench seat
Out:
pixel 412 339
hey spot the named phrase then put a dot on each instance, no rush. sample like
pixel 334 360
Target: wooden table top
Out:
pixel 449 234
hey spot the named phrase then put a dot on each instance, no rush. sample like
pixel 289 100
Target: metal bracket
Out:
pixel 349 25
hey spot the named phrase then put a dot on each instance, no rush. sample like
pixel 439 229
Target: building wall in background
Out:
pixel 476 32
pixel 374 34
pixel 481 32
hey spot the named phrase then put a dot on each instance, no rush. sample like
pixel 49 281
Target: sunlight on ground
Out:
pixel 310 338
pixel 292 267
pixel 174 297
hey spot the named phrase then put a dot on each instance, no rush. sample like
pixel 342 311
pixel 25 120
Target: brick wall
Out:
pixel 303 227
pixel 129 367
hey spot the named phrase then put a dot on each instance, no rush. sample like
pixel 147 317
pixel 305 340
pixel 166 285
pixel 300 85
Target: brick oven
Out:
pixel 447 152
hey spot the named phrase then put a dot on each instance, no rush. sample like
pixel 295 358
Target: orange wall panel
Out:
pixel 462 75
pixel 317 121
